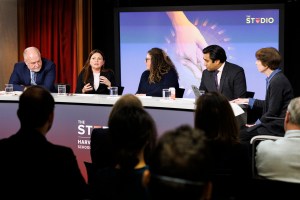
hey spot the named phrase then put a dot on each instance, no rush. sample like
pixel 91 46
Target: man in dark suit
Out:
pixel 35 70
pixel 222 76
pixel 32 167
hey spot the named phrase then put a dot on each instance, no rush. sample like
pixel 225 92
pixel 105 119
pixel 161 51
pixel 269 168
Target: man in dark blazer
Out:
pixel 32 167
pixel 230 78
pixel 35 70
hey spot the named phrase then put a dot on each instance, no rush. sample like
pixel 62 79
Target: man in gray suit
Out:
pixel 222 76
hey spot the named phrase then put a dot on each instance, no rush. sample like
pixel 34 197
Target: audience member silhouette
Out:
pixel 32 167
pixel 179 167
pixel 132 132
pixel 101 147
pixel 231 165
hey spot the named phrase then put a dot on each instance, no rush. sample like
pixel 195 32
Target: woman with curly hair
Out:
pixel 160 74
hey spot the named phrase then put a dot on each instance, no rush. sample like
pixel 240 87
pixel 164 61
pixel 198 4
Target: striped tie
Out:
pixel 33 77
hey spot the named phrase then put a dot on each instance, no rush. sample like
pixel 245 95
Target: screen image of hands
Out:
pixel 189 43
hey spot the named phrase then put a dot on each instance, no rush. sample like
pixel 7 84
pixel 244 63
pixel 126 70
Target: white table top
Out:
pixel 147 101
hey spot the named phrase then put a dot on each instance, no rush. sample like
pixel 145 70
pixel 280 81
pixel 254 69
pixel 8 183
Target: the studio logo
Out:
pixel 259 20
pixel 84 134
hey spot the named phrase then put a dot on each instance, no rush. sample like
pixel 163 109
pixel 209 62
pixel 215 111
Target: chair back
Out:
pixel 179 92
pixel 263 188
pixel 254 142
pixel 250 94
pixel 120 90
pixel 91 171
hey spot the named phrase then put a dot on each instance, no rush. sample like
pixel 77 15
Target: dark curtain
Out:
pixel 50 25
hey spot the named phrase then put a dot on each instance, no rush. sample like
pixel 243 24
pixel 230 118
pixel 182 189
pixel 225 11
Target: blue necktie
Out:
pixel 33 77
pixel 216 78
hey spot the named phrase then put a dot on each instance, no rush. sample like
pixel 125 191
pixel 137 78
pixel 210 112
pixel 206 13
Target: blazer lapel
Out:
pixel 27 78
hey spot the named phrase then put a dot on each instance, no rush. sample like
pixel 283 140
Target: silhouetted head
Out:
pixel 292 117
pixel 180 165
pixel 132 131
pixel 36 104
pixel 215 116
pixel 126 100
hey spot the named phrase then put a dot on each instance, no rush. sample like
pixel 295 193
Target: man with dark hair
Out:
pixel 221 75
pixel 32 167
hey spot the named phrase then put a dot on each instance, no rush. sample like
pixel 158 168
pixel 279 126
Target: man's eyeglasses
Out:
pixel 146 59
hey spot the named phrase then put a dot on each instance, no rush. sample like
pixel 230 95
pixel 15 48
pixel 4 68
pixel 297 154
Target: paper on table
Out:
pixel 236 109
pixel 144 96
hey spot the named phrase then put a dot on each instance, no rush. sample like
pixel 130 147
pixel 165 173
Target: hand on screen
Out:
pixel 189 43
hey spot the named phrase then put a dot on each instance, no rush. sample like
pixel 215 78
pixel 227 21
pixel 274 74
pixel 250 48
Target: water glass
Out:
pixel 61 90
pixel 166 94
pixel 9 89
pixel 113 91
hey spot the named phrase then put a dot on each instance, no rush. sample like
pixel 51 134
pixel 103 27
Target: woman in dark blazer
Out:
pixel 278 95
pixel 94 78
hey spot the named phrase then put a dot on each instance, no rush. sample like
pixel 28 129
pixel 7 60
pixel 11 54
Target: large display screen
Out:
pixel 240 29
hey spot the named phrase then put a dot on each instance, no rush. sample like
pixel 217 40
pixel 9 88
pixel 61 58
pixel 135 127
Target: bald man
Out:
pixel 34 70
